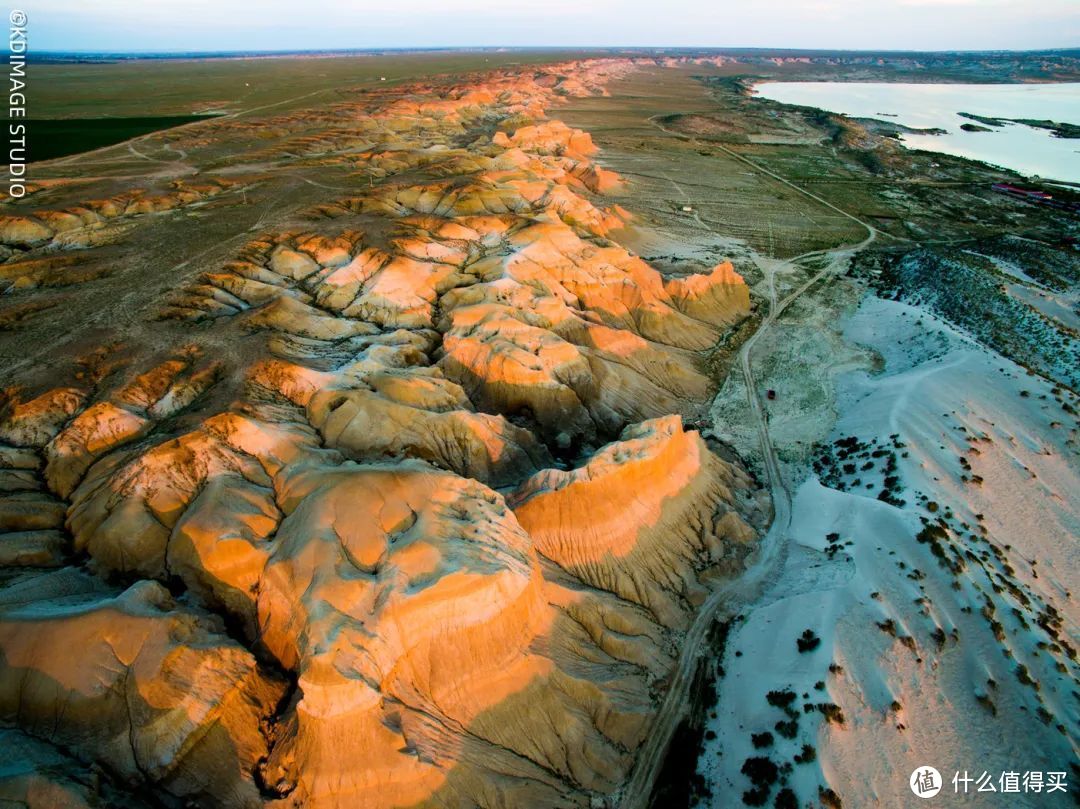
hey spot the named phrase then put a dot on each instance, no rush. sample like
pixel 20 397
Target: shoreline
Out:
pixel 939 138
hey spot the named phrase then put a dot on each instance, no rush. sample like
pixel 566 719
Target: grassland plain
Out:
pixel 692 137
pixel 129 88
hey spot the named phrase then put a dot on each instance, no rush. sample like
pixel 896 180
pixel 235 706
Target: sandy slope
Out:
pixel 908 690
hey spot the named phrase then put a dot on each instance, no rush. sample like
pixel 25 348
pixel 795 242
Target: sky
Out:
pixel 212 25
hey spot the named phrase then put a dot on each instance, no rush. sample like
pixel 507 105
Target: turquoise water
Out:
pixel 1025 149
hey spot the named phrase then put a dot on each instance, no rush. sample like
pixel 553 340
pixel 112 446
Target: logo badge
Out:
pixel 925 782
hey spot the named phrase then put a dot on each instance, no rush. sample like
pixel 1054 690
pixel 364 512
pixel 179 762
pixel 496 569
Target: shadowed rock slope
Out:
pixel 400 510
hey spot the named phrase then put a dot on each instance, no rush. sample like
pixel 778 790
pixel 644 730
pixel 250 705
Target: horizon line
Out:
pixel 374 49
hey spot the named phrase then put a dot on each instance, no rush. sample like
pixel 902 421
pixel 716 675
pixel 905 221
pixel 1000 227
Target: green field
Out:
pixel 59 137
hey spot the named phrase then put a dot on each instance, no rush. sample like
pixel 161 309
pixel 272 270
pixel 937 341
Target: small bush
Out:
pixel 780 699
pixel 829 799
pixel 831 712
pixel 761 770
pixel 1024 676
pixel 763 773
pixel 758 796
pixel 761 740
pixel 986 702
pixel 785 799
pixel 808 642
pixel 789 729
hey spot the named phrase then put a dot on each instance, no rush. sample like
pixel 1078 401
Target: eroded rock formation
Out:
pixel 430 534
pixel 155 693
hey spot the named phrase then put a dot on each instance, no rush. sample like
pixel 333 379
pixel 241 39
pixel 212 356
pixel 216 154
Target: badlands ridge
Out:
pixel 432 542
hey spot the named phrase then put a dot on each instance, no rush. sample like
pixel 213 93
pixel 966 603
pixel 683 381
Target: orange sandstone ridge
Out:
pixel 439 544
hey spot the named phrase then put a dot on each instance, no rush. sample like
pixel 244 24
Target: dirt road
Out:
pixel 735 596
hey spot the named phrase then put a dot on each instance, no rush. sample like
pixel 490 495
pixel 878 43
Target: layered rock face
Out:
pixel 641 519
pixel 155 693
pixel 432 542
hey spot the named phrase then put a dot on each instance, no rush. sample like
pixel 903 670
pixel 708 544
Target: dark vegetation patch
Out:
pixel 963 285
pixel 808 641
pixel 679 783
pixel 862 467
pixel 48 138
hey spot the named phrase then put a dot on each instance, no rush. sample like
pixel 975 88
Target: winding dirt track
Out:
pixel 740 593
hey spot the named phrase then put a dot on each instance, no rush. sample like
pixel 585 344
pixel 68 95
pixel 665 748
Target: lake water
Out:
pixel 1025 149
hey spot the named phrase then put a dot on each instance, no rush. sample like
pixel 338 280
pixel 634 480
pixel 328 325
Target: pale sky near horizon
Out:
pixel 209 25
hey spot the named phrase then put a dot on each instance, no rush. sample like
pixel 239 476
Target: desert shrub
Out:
pixel 986 702
pixel 831 712
pixel 829 799
pixel 785 799
pixel 1024 676
pixel 788 729
pixel 758 796
pixel 761 770
pixel 808 642
pixel 780 699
